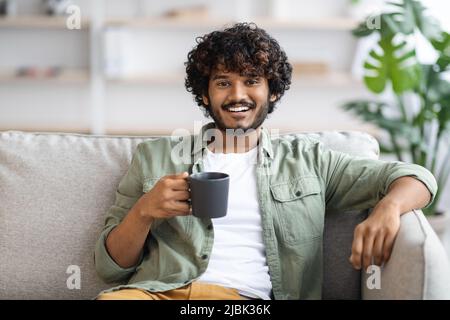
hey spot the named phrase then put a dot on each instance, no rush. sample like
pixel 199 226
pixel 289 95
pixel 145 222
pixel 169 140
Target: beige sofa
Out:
pixel 56 188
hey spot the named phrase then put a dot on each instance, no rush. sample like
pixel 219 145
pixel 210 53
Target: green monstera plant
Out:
pixel 415 118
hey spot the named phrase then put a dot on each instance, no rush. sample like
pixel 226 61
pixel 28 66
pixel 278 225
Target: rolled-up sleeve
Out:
pixel 127 194
pixel 355 183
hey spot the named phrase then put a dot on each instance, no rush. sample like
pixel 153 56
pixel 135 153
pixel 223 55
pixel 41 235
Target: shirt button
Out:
pixel 205 256
pixel 298 193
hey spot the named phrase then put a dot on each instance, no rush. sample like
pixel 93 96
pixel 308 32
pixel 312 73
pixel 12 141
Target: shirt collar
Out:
pixel 201 139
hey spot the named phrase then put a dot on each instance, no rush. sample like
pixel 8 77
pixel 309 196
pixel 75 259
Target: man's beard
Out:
pixel 259 119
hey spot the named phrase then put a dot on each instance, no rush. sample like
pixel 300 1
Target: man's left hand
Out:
pixel 374 238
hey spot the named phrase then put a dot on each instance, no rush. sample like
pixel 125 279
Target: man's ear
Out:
pixel 273 97
pixel 205 100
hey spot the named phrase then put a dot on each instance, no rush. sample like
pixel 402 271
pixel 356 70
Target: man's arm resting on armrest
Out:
pixel 375 236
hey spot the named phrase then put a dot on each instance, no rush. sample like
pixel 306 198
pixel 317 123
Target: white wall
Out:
pixel 160 50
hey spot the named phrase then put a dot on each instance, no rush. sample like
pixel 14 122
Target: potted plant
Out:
pixel 415 118
pixel 359 9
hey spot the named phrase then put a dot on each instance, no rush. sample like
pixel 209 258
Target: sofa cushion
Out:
pixel 55 191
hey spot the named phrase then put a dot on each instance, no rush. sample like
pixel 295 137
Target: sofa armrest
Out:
pixel 418 268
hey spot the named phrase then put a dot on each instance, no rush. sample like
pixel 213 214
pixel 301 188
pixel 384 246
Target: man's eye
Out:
pixel 222 84
pixel 252 81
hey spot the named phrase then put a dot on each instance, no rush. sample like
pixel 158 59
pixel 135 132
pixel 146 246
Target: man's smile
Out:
pixel 239 110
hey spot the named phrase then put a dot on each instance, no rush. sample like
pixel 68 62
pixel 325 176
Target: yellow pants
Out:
pixel 193 291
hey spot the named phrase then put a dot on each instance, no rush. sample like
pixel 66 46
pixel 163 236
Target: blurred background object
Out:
pixel 8 7
pixel 3 7
pixel 194 12
pixel 56 7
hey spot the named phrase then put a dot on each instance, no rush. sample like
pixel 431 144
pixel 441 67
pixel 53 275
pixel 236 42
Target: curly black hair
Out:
pixel 243 48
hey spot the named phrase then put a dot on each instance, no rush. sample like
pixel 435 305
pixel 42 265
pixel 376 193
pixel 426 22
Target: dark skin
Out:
pixel 373 238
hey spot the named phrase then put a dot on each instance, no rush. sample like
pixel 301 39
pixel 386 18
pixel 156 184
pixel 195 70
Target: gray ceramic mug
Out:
pixel 209 194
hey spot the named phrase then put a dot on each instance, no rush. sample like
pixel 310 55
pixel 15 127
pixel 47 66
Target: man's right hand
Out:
pixel 168 198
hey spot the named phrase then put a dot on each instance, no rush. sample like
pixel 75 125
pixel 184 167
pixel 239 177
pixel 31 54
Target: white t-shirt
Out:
pixel 238 257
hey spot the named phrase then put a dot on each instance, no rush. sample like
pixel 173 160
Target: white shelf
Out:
pixel 169 79
pixel 135 131
pixel 329 79
pixel 47 128
pixel 160 22
pixel 140 130
pixel 333 79
pixel 336 23
pixel 43 22
pixel 74 76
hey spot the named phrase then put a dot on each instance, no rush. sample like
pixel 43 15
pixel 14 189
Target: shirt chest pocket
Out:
pixel 299 209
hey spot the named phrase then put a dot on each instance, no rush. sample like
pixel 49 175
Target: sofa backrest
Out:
pixel 55 190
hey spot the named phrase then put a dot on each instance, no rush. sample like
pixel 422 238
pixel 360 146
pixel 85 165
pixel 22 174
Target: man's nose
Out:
pixel 238 92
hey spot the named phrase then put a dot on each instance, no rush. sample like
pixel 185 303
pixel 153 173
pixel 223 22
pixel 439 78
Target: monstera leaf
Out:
pixel 402 134
pixel 392 64
pixel 374 112
pixel 442 45
pixel 412 14
pixel 444 113
pixel 405 16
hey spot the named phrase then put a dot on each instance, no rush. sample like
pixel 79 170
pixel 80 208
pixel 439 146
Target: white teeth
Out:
pixel 238 109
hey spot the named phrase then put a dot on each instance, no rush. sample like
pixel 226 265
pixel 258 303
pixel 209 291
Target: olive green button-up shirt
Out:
pixel 297 181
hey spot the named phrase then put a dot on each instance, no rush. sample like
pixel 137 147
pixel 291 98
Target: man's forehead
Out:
pixel 222 72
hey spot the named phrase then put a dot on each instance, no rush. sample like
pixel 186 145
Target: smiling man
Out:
pixel 269 245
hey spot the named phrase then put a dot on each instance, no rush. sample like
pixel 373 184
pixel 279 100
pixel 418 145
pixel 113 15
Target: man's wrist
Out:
pixel 142 215
pixel 390 205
